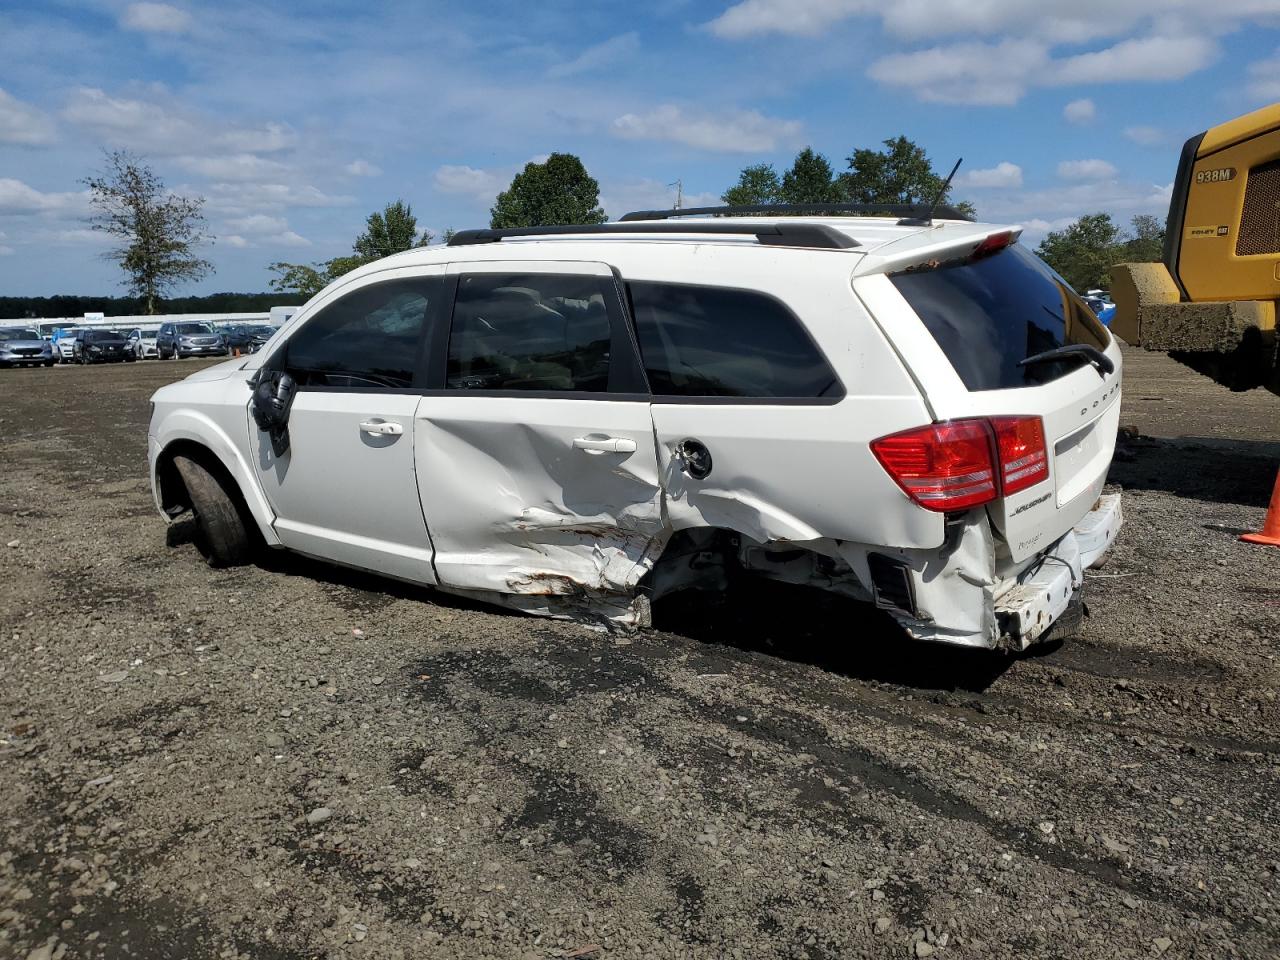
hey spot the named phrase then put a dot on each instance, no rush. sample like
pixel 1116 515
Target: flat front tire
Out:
pixel 221 535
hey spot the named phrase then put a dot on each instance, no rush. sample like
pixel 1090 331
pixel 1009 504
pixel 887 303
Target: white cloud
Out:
pixel 644 193
pixel 483 185
pixel 244 199
pixel 1003 175
pixel 1059 23
pixel 1079 111
pixel 1086 170
pixel 977 73
pixel 1145 58
pixel 287 239
pixel 155 18
pixel 1264 79
pixel 744 131
pixel 362 168
pixel 5 251
pixel 258 223
pixel 17 197
pixel 158 128
pixel 232 240
pixel 604 54
pixel 1147 136
pixel 241 166
pixel 22 123
pixel 797 18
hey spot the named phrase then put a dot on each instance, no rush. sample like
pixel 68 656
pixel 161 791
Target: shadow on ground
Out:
pixel 842 636
pixel 1199 468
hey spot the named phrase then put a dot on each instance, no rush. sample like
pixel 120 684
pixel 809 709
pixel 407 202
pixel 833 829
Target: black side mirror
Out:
pixel 273 394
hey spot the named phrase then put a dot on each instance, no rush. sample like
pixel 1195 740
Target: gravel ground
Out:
pixel 295 761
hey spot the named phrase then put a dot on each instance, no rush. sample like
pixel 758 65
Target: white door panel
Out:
pixel 563 502
pixel 343 492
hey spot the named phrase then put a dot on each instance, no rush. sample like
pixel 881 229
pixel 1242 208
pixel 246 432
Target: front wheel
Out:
pixel 221 535
pixel 48 363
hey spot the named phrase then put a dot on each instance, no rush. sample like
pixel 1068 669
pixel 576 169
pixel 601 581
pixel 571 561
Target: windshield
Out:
pixel 196 328
pixel 18 333
pixel 987 315
pixel 100 336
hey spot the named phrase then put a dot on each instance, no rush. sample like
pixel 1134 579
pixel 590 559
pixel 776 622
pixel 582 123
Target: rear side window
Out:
pixel 719 342
pixel 989 314
pixel 535 332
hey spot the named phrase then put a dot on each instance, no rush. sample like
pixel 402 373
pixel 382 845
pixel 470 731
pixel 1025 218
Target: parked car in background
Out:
pixel 101 346
pixel 247 337
pixel 576 421
pixel 191 338
pixel 63 343
pixel 24 347
pixel 1100 303
pixel 142 344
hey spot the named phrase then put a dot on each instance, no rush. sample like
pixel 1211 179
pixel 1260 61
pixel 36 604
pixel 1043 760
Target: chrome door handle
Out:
pixel 381 428
pixel 596 443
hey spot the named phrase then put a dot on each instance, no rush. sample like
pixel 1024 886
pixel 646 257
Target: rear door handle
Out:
pixel 595 443
pixel 381 428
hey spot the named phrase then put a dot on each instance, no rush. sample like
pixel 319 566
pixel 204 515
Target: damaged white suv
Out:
pixel 573 421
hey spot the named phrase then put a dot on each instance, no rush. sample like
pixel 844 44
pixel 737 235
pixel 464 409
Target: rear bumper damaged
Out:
pixel 959 599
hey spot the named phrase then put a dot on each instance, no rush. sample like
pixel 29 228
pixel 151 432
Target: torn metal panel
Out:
pixel 530 510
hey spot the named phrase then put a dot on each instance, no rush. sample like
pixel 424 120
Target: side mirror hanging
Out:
pixel 273 394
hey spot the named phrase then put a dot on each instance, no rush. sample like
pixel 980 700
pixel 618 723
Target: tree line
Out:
pixel 158 233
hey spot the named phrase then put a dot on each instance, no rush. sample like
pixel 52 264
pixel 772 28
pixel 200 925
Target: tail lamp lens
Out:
pixel 953 465
pixel 1024 461
pixel 942 466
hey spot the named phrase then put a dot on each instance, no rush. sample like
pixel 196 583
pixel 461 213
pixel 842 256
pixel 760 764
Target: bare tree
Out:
pixel 157 231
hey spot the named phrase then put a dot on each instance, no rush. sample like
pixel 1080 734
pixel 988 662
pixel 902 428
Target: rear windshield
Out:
pixel 989 314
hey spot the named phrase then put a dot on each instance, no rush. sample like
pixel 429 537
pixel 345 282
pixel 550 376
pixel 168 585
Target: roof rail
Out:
pixel 909 211
pixel 817 235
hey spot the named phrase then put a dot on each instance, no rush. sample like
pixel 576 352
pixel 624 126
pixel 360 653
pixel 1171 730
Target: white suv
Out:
pixel 572 421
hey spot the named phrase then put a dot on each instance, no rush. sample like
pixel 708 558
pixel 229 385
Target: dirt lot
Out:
pixel 296 761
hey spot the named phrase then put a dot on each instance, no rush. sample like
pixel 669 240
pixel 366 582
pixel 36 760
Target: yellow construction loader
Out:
pixel 1212 302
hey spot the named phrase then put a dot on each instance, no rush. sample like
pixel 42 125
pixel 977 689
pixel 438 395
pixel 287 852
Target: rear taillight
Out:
pixel 944 466
pixel 952 465
pixel 1024 461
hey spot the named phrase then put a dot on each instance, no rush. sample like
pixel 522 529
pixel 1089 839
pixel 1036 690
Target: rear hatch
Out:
pixel 988 313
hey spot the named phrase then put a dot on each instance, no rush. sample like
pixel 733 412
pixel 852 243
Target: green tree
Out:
pixel 810 180
pixel 157 231
pixel 1146 245
pixel 558 191
pixel 902 173
pixel 758 184
pixel 394 230
pixel 1084 251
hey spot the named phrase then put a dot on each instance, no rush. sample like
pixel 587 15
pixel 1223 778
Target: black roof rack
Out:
pixel 907 211
pixel 817 235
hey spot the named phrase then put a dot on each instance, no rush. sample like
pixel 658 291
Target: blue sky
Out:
pixel 295 120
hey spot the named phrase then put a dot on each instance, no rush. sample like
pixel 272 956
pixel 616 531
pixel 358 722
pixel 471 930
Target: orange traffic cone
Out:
pixel 1270 534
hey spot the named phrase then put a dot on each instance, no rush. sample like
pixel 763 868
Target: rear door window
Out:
pixel 720 342
pixel 987 315
pixel 531 332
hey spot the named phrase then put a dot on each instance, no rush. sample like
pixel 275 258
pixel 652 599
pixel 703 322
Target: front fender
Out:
pixel 198 427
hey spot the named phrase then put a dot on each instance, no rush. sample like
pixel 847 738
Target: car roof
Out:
pixel 879 243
